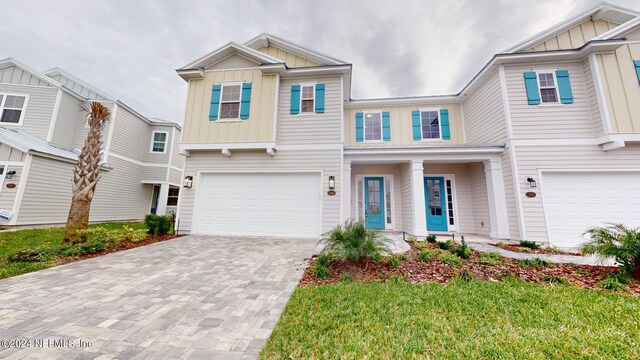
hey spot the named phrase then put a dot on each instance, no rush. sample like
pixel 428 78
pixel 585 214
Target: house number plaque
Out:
pixel 11 185
pixel 331 192
pixel 530 194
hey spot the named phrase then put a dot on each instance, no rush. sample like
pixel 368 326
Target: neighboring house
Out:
pixel 541 144
pixel 42 130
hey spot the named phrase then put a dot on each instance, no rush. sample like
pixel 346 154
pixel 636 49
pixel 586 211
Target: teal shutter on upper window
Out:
pixel 295 99
pixel 215 102
pixel 319 98
pixel 531 83
pixel 245 102
pixel 444 124
pixel 564 87
pixel 386 126
pixel 636 63
pixel 416 125
pixel 359 127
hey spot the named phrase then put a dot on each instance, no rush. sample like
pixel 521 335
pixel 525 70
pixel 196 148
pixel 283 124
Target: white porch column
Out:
pixel 497 199
pixel 163 196
pixel 345 195
pixel 419 210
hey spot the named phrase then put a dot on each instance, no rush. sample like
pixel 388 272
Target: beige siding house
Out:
pixel 541 144
pixel 41 133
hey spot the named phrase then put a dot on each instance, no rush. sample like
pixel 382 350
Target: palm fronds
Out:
pixel 352 241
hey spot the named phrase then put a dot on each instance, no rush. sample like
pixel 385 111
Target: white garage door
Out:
pixel 262 204
pixel 574 202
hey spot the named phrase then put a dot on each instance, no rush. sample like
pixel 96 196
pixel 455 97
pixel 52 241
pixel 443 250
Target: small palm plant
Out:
pixel 352 241
pixel 618 242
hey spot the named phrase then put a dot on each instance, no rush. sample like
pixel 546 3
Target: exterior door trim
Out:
pixel 454 192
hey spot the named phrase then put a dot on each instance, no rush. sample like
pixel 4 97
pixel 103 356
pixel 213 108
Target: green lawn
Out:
pixel 509 319
pixel 13 241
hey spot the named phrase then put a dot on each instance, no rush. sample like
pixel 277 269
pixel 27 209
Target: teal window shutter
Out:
pixel 215 102
pixel 386 126
pixel 531 83
pixel 416 125
pixel 636 63
pixel 319 98
pixel 444 124
pixel 359 127
pixel 245 102
pixel 564 87
pixel 295 99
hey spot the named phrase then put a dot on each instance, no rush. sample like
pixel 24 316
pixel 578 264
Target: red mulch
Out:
pixel 414 271
pixel 517 248
pixel 120 246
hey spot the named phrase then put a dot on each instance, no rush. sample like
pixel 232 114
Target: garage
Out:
pixel 258 204
pixel 576 201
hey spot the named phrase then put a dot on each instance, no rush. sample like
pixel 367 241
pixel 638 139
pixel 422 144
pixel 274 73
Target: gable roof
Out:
pixel 266 39
pixel 603 11
pixel 7 62
pixel 227 50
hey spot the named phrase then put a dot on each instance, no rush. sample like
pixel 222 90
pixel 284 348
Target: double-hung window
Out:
pixel 230 101
pixel 430 124
pixel 548 87
pixel 12 108
pixel 307 100
pixel 172 199
pixel 372 126
pixel 159 142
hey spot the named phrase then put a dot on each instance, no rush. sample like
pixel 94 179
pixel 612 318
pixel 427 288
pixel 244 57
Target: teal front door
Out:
pixel 434 200
pixel 374 203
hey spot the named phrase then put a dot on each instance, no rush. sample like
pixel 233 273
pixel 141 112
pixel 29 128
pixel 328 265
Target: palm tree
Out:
pixel 618 242
pixel 86 174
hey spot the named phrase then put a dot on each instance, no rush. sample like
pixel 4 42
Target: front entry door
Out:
pixel 374 202
pixel 434 200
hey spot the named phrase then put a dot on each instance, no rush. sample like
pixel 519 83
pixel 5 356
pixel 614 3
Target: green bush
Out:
pixel 34 254
pixel 158 224
pixel 553 279
pixel 464 275
pixel 431 239
pixel 450 259
pixel 324 260
pixel 126 233
pixel 534 263
pixel 529 244
pixel 412 239
pixel 397 279
pixel 347 277
pixel 421 245
pixel 428 255
pixel 321 271
pixel 352 241
pixel 446 245
pixel 463 251
pixel 490 258
pixel 394 261
pixel 617 242
pixel 615 281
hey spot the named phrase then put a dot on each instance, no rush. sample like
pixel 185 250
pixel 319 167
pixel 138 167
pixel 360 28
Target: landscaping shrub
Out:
pixel 463 251
pixel 321 271
pixel 534 263
pixel 428 255
pixel 465 275
pixel 347 277
pixel 412 239
pixel 126 233
pixel 529 244
pixel 421 245
pixel 394 261
pixel 450 259
pixel 324 260
pixel 553 279
pixel 490 258
pixel 446 245
pixel 158 224
pixel 352 241
pixel 552 249
pixel 615 281
pixel 618 242
pixel 431 239
pixel 34 254
pixel 397 279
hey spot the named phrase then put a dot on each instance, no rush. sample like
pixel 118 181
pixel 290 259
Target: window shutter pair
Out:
pixel 245 101
pixel 636 63
pixel 416 125
pixel 564 87
pixel 386 126
pixel 295 99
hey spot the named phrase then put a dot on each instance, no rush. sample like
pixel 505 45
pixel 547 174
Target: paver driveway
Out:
pixel 192 297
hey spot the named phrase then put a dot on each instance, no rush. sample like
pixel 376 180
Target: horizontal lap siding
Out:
pixel 463 205
pixel 175 176
pixel 47 195
pixel 40 106
pixel 480 199
pixel 158 158
pixel 484 119
pixel 310 128
pixel 131 136
pixel 578 157
pixel 70 117
pixel 81 129
pixel 7 195
pixel 177 159
pixel 549 121
pixel 379 169
pixel 597 128
pixel 510 194
pixel 312 160
pixel 154 173
pixel 406 190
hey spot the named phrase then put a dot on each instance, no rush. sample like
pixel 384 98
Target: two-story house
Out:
pixel 42 130
pixel 541 144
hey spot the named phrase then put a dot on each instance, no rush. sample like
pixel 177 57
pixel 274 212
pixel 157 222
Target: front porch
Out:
pixel 443 194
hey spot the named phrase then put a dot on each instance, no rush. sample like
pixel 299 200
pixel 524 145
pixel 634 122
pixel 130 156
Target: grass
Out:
pixel 49 238
pixel 472 319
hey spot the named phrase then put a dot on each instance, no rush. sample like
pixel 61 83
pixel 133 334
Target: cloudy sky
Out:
pixel 130 49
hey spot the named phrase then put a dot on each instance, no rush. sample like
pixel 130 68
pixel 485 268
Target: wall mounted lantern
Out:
pixel 10 174
pixel 188 182
pixel 532 182
pixel 332 182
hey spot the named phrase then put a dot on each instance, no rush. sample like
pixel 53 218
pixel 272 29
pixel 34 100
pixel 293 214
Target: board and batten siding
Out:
pixel 77 87
pixel 328 161
pixel 480 199
pixel 131 135
pixel 402 126
pixel 37 117
pixel 7 153
pixel 621 88
pixel 484 118
pixel 546 121
pixel 378 170
pixel 15 75
pixel 310 128
pixel 574 37
pixel 8 195
pixel 574 157
pixel 292 60
pixel 257 128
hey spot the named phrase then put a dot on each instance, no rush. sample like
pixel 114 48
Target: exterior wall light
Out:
pixel 188 182
pixel 532 182
pixel 332 182
pixel 10 174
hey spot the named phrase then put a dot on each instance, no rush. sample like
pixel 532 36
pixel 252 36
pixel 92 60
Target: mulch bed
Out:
pixel 117 247
pixel 415 271
pixel 519 249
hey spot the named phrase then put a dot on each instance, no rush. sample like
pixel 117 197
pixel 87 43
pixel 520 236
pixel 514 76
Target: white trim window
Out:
pixel 12 108
pixel 159 142
pixel 430 124
pixel 372 126
pixel 307 98
pixel 172 198
pixel 230 96
pixel 548 87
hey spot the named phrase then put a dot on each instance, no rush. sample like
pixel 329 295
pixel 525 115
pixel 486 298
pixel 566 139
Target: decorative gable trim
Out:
pixel 224 52
pixel 265 39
